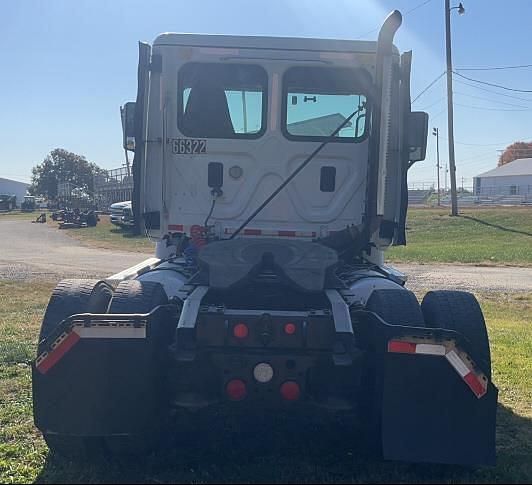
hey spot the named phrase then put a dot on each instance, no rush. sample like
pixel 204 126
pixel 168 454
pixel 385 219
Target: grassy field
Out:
pixel 108 236
pixel 18 214
pixel 493 235
pixel 216 446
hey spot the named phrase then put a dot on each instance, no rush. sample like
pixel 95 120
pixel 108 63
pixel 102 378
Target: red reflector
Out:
pixel 290 391
pixel 236 390
pixel 290 328
pixel 240 330
pixel 401 347
pixel 58 353
pixel 475 385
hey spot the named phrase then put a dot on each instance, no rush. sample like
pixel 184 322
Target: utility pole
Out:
pixel 436 133
pixel 450 117
pixel 446 172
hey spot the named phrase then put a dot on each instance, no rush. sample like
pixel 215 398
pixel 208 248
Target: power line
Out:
pixel 422 4
pixel 438 114
pixel 428 87
pixel 490 109
pixel 477 156
pixel 494 85
pixel 492 91
pixel 481 144
pixel 527 150
pixel 498 68
pixel 490 100
pixel 432 104
pixel 417 6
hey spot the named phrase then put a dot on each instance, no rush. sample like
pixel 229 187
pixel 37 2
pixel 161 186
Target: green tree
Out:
pixel 63 166
pixel 519 149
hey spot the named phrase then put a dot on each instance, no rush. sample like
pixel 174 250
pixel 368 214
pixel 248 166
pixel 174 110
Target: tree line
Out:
pixel 519 149
pixel 60 165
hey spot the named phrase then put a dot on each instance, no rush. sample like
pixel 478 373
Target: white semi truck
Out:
pixel 272 173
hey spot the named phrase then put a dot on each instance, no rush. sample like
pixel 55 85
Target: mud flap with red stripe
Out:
pixel 432 402
pixel 100 375
pixel 437 406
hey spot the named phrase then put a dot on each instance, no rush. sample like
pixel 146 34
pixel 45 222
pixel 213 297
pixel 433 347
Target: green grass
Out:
pixel 494 235
pixel 108 236
pixel 218 446
pixel 18 214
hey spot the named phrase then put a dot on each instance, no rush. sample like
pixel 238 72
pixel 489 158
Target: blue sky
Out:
pixel 68 65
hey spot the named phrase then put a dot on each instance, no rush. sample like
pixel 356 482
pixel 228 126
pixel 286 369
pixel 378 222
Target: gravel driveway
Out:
pixel 30 251
pixel 466 277
pixel 38 251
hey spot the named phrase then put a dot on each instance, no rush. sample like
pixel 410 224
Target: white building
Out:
pixel 12 187
pixel 514 178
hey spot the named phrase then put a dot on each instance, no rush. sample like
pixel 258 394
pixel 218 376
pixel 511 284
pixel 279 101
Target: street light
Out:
pixel 436 133
pixel 450 114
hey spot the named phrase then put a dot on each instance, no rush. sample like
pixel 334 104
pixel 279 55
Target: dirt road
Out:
pixel 466 277
pixel 39 251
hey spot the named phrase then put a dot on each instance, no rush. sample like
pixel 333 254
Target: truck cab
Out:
pixel 227 119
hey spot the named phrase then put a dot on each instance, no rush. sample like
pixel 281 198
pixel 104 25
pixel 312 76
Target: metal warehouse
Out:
pixel 12 187
pixel 514 178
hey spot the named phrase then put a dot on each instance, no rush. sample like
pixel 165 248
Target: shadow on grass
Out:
pixel 313 447
pixel 126 232
pixel 496 226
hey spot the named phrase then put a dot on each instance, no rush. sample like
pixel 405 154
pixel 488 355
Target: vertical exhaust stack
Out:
pixel 379 128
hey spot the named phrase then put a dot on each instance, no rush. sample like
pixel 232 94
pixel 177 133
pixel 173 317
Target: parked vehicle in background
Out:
pixel 29 204
pixel 117 212
pixel 127 217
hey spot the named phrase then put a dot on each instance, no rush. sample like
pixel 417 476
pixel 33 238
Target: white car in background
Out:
pixel 117 212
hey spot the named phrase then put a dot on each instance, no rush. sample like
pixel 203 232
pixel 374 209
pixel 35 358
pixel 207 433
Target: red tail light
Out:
pixel 290 328
pixel 240 330
pixel 290 390
pixel 236 390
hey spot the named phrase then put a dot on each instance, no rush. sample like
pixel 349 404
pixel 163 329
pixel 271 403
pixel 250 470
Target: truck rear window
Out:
pixel 222 100
pixel 317 100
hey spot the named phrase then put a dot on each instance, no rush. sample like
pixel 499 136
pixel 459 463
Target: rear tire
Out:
pixel 80 296
pixel 135 296
pixel 69 298
pixel 74 296
pixel 460 311
pixel 396 307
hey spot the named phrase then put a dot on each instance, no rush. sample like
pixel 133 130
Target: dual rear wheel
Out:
pixel 75 296
pixel 450 310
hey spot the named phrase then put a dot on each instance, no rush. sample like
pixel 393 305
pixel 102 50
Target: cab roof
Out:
pixel 267 43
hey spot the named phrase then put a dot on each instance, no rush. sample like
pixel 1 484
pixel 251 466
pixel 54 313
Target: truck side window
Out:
pixel 317 100
pixel 222 100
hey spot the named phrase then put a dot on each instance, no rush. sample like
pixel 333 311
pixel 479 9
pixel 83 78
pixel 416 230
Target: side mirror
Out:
pixel 127 113
pixel 418 128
